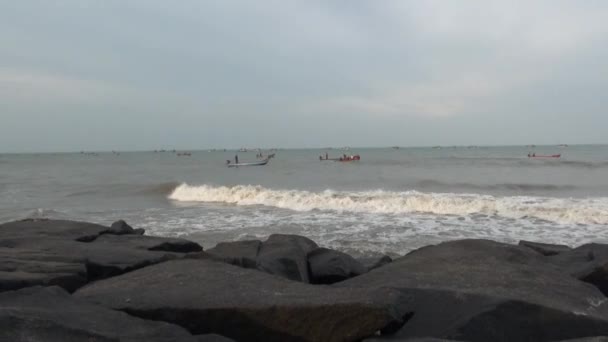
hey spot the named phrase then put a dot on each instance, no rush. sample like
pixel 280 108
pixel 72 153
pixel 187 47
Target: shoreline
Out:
pixel 288 288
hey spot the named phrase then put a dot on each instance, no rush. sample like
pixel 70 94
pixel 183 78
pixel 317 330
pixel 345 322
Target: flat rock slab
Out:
pixel 70 254
pixel 52 315
pixel 208 296
pixel 478 290
pixel 56 229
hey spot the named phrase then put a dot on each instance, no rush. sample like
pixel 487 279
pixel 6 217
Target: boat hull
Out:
pixel 260 163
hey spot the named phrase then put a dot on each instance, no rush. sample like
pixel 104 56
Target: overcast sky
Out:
pixel 139 75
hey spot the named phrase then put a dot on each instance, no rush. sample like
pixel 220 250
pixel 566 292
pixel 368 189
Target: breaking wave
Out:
pixel 559 210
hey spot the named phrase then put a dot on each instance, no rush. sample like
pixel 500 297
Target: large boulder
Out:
pixel 212 297
pixel 545 248
pixel 70 254
pixel 239 253
pixel 52 315
pixel 286 256
pixel 478 290
pixel 328 266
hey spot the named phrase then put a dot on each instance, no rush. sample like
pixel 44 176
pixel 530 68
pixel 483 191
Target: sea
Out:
pixel 392 201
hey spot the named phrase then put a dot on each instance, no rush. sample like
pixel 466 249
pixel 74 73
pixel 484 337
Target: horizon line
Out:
pixel 236 149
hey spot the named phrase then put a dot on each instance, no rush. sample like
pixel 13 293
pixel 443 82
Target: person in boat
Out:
pixel 326 156
pixel 236 158
pixel 528 155
pixel 533 154
pixel 320 157
pixel 227 161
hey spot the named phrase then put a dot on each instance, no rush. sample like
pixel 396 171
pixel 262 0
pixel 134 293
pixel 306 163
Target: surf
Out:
pixel 558 210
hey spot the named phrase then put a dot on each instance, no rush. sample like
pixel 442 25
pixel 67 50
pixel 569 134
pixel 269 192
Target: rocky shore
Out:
pixel 77 281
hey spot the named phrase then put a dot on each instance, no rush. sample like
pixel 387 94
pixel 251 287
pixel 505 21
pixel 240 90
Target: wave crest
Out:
pixel 573 211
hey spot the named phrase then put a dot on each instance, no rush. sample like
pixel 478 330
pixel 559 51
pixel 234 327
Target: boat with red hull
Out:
pixel 349 158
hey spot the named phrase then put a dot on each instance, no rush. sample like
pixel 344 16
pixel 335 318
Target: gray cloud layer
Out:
pixel 114 74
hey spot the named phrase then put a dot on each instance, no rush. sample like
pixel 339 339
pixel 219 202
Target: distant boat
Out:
pixel 258 163
pixel 544 156
pixel 396 147
pixel 356 157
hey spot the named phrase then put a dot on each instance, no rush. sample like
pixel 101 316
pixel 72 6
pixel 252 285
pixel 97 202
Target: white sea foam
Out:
pixel 559 210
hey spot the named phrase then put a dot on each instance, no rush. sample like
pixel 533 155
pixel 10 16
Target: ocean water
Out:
pixel 391 201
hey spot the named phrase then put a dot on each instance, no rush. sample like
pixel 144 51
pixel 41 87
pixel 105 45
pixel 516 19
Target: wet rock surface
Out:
pixel 132 287
pixel 208 296
pixel 70 254
pixel 478 290
pixel 50 314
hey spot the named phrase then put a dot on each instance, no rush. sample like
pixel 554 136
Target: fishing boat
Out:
pixel 349 158
pixel 257 163
pixel 544 156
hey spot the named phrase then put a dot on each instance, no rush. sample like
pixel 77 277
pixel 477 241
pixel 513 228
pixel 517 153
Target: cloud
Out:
pixel 26 86
pixel 219 64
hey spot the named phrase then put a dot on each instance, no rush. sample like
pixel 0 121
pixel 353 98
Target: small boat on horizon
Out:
pixel 257 163
pixel 344 158
pixel 544 156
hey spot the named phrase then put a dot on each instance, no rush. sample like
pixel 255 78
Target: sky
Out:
pixel 149 74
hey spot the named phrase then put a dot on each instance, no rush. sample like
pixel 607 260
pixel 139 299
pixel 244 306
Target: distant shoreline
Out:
pixel 206 150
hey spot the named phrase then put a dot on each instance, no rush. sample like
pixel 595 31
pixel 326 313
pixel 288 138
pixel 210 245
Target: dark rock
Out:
pixel 413 339
pixel 139 231
pixel 477 290
pixel 213 338
pixel 67 230
pixel 545 248
pixel 52 315
pixel 28 267
pixel 31 254
pixel 588 263
pixel 207 297
pixel 149 243
pixel 588 339
pixel 239 253
pixel 120 227
pixel 371 263
pixel 328 266
pixel 286 256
